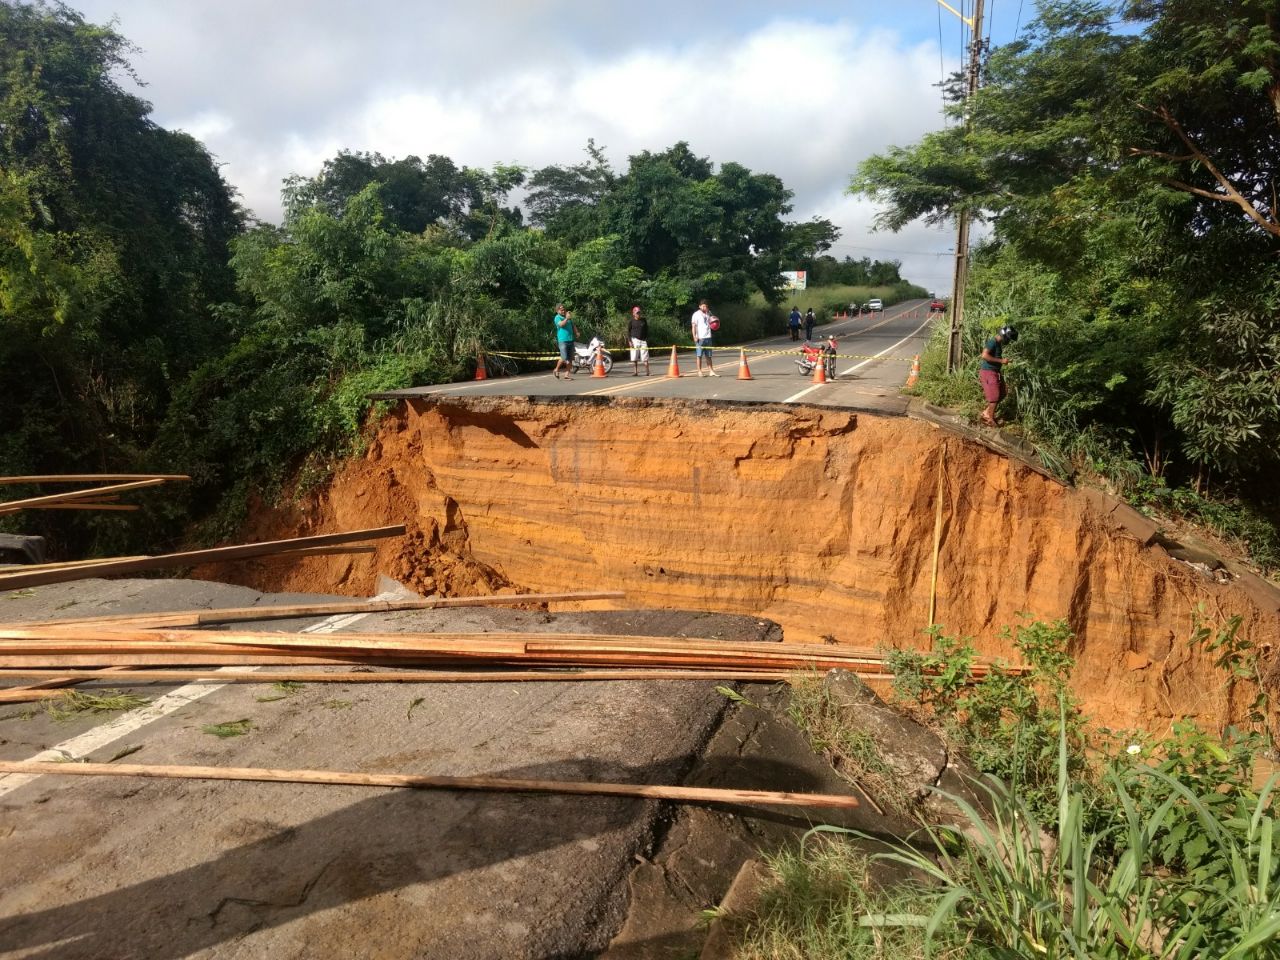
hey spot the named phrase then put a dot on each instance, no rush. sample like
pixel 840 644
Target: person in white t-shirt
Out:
pixel 700 326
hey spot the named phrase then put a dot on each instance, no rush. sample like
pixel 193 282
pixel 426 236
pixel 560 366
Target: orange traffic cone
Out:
pixel 598 372
pixel 481 373
pixel 744 372
pixel 674 369
pixel 915 371
pixel 820 370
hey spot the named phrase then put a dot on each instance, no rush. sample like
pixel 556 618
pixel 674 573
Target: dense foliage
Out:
pixel 113 239
pixel 1125 156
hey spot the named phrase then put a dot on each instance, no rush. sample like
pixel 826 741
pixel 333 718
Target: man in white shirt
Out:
pixel 700 325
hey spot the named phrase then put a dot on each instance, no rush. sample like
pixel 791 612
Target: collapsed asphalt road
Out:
pixel 165 869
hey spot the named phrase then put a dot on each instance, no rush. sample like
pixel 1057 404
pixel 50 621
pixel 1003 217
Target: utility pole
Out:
pixel 962 225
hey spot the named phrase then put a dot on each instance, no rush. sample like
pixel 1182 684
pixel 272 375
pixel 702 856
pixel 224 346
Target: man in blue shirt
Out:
pixel 991 372
pixel 565 335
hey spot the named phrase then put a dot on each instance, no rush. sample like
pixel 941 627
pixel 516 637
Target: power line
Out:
pixel 911 253
pixel 942 66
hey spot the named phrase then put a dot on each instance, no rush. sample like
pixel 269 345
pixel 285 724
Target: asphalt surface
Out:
pixel 876 351
pixel 125 868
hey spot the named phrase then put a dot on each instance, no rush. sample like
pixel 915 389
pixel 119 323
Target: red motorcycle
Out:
pixel 812 354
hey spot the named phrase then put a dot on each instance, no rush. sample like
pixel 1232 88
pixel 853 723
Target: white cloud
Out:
pixel 276 90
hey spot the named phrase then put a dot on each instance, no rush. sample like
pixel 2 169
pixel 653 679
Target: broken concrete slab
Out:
pixel 916 755
pixel 1262 592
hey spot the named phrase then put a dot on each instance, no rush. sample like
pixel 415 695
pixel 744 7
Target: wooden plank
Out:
pixel 62 565
pixel 14 581
pixel 81 505
pixel 585 647
pixel 134 676
pixel 56 686
pixel 90 477
pixel 72 564
pixel 333 550
pixel 216 659
pixel 89 493
pixel 194 618
pixel 39 644
pixel 428 782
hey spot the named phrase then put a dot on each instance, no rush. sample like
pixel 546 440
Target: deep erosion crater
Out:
pixel 821 519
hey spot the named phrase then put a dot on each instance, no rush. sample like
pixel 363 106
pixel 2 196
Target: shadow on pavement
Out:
pixel 387 842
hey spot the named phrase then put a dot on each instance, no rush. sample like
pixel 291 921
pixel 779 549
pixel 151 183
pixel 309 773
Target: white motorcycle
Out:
pixel 584 356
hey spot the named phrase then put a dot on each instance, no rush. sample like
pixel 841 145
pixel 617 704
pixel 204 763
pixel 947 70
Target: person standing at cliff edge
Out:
pixel 638 338
pixel 565 336
pixel 701 325
pixel 991 372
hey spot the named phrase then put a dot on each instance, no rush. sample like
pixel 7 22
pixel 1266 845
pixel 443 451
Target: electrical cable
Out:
pixel 911 253
pixel 942 66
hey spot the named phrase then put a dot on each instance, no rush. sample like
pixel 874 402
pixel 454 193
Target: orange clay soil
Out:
pixel 820 519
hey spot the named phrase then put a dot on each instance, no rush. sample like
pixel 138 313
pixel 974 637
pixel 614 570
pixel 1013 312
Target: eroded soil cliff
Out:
pixel 820 519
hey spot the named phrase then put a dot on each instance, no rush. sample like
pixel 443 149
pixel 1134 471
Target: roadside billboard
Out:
pixel 794 279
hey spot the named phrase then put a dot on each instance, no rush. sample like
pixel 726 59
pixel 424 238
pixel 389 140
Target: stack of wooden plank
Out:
pixel 166 647
pixel 131 648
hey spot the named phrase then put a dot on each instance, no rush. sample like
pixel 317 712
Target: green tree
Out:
pixel 414 195
pixel 565 200
pixel 1134 168
pixel 113 239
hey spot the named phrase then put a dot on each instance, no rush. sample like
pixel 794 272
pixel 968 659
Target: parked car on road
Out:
pixel 937 306
pixel 876 304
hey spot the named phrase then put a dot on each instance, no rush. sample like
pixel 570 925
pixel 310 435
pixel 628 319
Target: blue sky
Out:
pixel 804 90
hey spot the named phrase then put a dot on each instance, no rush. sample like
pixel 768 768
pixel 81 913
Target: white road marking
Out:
pixel 859 366
pixel 85 743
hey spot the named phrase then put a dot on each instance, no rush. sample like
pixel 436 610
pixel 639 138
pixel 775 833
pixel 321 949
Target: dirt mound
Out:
pixel 820 519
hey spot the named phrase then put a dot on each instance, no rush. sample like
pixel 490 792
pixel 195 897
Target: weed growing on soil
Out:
pixel 853 754
pixel 734 696
pixel 284 689
pixel 1237 658
pixel 77 703
pixel 229 728
pixel 825 904
pixel 1009 724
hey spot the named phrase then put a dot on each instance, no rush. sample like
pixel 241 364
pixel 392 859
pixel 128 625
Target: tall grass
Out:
pixel 1175 873
pixel 1085 846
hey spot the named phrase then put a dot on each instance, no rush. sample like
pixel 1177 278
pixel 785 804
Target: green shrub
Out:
pixel 1008 723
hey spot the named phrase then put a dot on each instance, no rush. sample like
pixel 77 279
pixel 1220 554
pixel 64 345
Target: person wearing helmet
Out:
pixel 991 372
pixel 638 339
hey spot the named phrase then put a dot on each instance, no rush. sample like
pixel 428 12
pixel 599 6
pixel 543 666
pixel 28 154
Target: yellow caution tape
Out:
pixel 520 355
